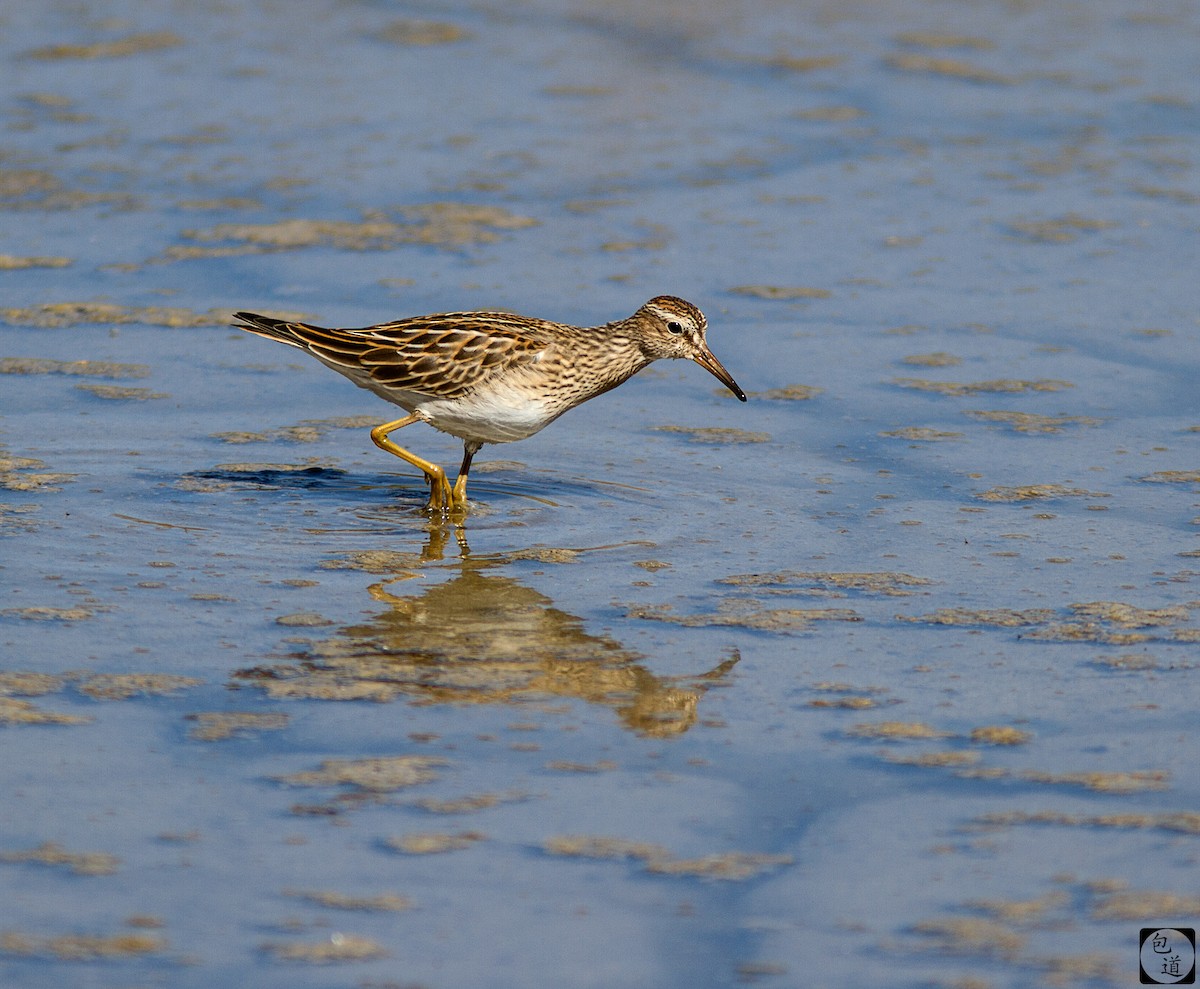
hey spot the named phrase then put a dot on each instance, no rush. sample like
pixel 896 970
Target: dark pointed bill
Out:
pixel 707 360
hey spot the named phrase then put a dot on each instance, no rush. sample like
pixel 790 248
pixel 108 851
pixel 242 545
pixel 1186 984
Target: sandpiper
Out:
pixel 494 377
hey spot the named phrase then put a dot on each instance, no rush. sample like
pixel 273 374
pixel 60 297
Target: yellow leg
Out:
pixel 459 492
pixel 441 495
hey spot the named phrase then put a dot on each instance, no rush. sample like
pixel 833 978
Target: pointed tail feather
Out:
pixel 271 328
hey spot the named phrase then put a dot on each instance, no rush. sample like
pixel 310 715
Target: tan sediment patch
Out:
pixel 1028 422
pixel 1001 935
pixel 781 292
pixel 39 613
pixel 937 359
pixel 422 33
pixel 834 114
pixel 1136 662
pixel 122 686
pixel 18 518
pixel 55 101
pixel 56 314
pixel 123 393
pixel 18 182
pixel 715 434
pixel 920 731
pixel 308 431
pixel 999 735
pixel 896 730
pixel 730 866
pixel 377 561
pixel 377 775
pixel 971 936
pixel 27 474
pixel 1172 477
pixel 997 617
pixel 220 203
pixel 599 766
pixel 1185 197
pixel 589 206
pixel 953 68
pixel 1002 385
pixel 471 804
pixel 333 900
pixel 132 44
pixel 342 422
pixel 1022 911
pixel 965 764
pixel 947 759
pixel 891 583
pixel 1062 230
pixel 598 847
pixel 18 712
pixel 745 614
pixel 434 842
pixel 834 686
pixel 217 726
pixel 291 434
pixel 337 949
pixel 1182 822
pixel 646 244
pixel 1087 632
pixel 79 947
pixel 93 369
pixel 544 554
pixel 145 921
pixel 1131 782
pixel 922 433
pixel 80 863
pixel 789 393
pixel 1131 905
pixel 653 566
pixel 852 698
pixel 21 683
pixel 800 63
pixel 51 196
pixel 304 619
pixel 1105 622
pixel 441 224
pixel 10 262
pixel 1131 616
pixel 1037 492
pixel 846 703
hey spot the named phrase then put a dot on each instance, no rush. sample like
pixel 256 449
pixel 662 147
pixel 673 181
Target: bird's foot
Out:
pixel 446 501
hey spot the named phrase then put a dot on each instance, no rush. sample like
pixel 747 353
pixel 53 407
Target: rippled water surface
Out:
pixel 887 677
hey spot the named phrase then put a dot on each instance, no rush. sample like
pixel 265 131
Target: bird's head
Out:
pixel 672 328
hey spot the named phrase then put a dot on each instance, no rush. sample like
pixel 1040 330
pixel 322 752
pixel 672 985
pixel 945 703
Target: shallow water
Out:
pixel 886 677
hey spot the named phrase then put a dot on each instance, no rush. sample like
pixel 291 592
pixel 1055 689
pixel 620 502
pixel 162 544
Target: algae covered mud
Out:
pixel 885 677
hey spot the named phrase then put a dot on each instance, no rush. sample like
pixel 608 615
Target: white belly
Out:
pixel 501 415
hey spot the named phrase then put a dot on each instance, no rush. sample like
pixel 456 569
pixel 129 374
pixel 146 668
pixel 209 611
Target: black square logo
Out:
pixel 1167 956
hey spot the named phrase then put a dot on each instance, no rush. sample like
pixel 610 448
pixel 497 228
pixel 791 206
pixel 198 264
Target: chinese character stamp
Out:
pixel 1168 956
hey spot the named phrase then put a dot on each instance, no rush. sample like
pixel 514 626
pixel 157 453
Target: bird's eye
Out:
pixel 674 327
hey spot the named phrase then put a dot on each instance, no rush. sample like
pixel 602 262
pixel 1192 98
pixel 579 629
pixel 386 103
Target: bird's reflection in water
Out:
pixel 482 638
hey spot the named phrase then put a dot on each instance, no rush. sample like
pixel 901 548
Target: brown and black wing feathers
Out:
pixel 442 356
